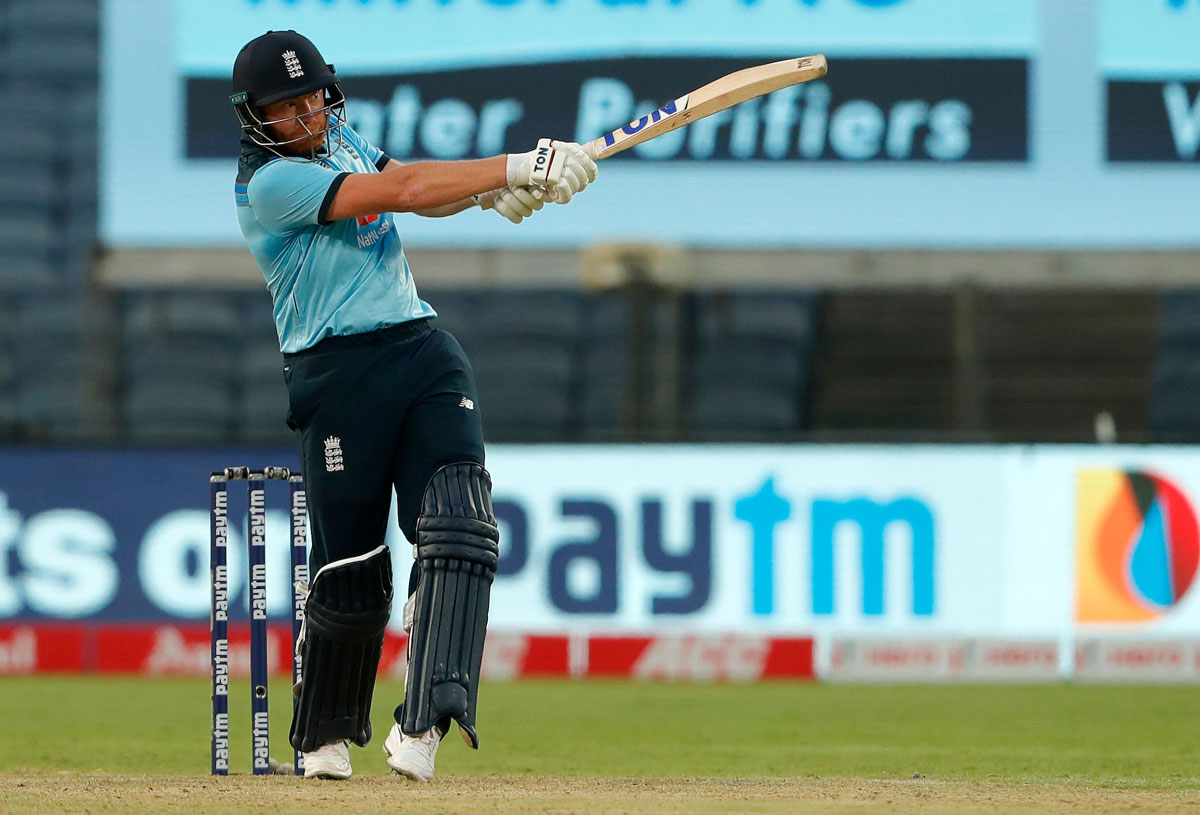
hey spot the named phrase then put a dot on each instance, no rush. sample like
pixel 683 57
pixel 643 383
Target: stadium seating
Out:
pixel 886 366
pixel 551 365
pixel 523 346
pixel 180 349
pixel 1052 360
pixel 751 357
pixel 1174 398
pixel 8 374
pixel 29 220
pixel 38 223
pixel 61 362
pixel 263 401
pixel 567 366
pixel 605 381
pixel 54 41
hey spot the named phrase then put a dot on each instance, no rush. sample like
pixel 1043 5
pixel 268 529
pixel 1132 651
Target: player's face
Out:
pixel 303 134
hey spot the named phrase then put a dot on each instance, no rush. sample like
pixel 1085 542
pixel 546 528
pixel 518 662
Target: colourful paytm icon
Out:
pixel 1137 546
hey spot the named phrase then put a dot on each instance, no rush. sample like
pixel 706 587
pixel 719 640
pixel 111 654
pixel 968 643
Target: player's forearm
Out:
pixel 448 209
pixel 426 185
pixel 433 212
pixel 430 186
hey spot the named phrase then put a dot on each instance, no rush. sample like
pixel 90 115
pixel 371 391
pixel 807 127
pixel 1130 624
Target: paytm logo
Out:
pixel 605 559
pixel 764 509
pixel 599 554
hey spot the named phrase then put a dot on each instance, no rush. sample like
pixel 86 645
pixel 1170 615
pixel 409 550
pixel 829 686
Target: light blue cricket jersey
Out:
pixel 326 278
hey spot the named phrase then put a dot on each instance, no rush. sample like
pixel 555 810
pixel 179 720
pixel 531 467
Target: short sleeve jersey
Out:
pixel 326 278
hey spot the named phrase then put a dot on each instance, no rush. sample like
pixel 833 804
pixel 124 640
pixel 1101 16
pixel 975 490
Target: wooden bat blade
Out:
pixel 720 94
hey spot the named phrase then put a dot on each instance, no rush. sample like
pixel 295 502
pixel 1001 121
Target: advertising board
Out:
pixel 917 87
pixel 962 562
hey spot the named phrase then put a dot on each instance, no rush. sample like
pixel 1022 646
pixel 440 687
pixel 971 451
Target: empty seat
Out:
pixel 604 391
pixel 58 58
pixel 54 311
pixel 1179 321
pixel 510 365
pixel 10 426
pixel 743 415
pixel 31 168
pixel 20 273
pixel 1174 409
pixel 181 357
pixel 525 390
pixel 50 407
pixel 44 143
pixel 787 317
pixel 27 235
pixel 748 389
pixel 523 346
pixel 605 382
pixel 455 310
pixel 1174 401
pixel 765 364
pixel 170 410
pixel 261 419
pixel 750 358
pixel 9 330
pixel 8 396
pixel 53 16
pixel 261 362
pixel 144 363
pixel 525 411
pixel 537 314
pixel 264 398
pixel 177 315
pixel 32 103
pixel 27 188
pixel 50 330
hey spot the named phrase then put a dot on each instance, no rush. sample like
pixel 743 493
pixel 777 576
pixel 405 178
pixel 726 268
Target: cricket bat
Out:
pixel 718 95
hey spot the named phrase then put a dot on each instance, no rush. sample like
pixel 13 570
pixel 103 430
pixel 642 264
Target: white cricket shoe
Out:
pixel 330 760
pixel 412 756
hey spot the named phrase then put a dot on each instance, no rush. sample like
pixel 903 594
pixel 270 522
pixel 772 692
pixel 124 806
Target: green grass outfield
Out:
pixel 1142 737
pixel 133 746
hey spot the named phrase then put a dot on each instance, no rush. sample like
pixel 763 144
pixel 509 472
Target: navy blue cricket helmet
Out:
pixel 281 65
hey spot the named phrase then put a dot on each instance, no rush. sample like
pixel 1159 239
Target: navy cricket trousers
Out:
pixel 376 414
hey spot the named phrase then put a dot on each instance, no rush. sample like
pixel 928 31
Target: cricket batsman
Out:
pixel 381 401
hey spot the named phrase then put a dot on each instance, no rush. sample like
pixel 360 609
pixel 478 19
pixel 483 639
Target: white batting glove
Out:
pixel 514 203
pixel 553 166
pixel 585 160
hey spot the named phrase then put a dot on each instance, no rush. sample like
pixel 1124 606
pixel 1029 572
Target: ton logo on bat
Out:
pixel 668 109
